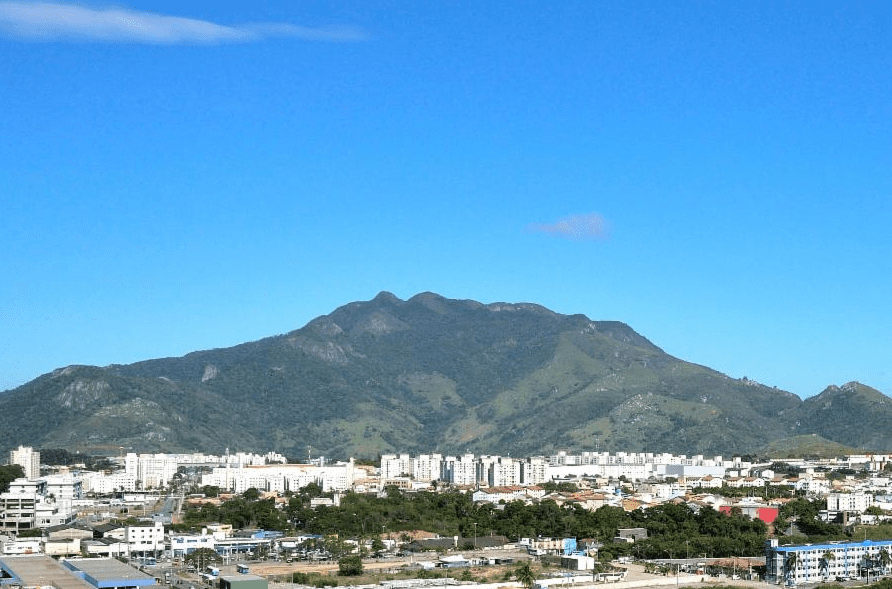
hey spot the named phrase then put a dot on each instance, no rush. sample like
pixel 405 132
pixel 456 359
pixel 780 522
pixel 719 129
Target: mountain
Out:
pixel 852 414
pixel 426 374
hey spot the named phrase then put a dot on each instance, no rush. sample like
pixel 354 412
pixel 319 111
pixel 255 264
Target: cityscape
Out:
pixel 148 510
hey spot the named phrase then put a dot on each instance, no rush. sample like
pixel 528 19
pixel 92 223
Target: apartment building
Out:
pixel 849 501
pixel 28 459
pixel 813 563
pixel 145 538
pixel 459 471
pixel 395 465
pixel 28 505
pixel 282 477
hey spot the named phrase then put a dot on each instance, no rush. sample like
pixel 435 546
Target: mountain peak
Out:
pixel 386 297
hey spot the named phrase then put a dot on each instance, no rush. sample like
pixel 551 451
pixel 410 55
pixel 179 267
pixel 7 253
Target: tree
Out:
pixel 202 557
pixel 8 474
pixel 336 546
pixel 884 559
pixel 350 565
pixel 790 563
pixel 210 491
pixel 825 563
pixel 378 545
pixel 525 575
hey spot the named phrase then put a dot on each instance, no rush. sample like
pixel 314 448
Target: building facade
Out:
pixel 813 563
pixel 28 459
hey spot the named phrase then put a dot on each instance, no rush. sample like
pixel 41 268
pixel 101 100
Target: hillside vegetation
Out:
pixel 431 374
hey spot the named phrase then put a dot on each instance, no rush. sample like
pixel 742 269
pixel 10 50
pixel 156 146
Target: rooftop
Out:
pixel 109 572
pixel 41 570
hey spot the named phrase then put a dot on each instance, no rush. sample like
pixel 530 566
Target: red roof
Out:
pixel 766 514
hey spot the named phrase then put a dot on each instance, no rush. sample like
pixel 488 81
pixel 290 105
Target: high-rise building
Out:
pixel 28 459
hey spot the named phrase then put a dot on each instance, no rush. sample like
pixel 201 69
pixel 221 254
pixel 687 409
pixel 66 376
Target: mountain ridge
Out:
pixel 430 374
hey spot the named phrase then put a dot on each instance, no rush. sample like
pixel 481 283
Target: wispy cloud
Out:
pixel 578 227
pixel 52 22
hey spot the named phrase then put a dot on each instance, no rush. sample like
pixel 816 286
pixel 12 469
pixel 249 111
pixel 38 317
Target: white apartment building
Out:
pixel 533 471
pixel 64 487
pixel 106 484
pixel 145 538
pixel 499 471
pixel 395 466
pixel 813 563
pixel 459 471
pixel 426 467
pixel 813 485
pixel 849 501
pixel 282 477
pixel 27 505
pixel 28 459
pixel 151 471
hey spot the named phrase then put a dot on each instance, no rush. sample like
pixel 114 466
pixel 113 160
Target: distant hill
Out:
pixel 430 374
pixel 852 414
pixel 810 445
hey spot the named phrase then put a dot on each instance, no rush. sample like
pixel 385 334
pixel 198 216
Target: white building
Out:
pixel 151 471
pixel 459 471
pixel 849 501
pixel 27 505
pixel 183 544
pixel 28 459
pixel 106 484
pixel 812 485
pixel 282 477
pixel 145 538
pixel 64 487
pixel 426 467
pixel 813 563
pixel 533 471
pixel 499 471
pixel 394 466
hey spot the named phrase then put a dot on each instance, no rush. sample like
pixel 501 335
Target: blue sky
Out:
pixel 717 175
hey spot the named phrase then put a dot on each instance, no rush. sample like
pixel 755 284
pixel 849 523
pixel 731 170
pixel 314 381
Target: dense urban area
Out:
pixel 243 521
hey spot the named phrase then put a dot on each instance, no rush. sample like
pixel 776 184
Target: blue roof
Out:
pixel 834 545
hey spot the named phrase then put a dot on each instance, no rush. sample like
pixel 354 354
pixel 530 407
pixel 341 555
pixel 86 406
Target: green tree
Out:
pixel 8 474
pixel 525 575
pixel 336 546
pixel 350 565
pixel 790 563
pixel 202 557
pixel 210 491
pixel 826 558
pixel 884 559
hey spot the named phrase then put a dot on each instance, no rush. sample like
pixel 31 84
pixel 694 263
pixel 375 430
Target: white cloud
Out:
pixel 586 226
pixel 50 22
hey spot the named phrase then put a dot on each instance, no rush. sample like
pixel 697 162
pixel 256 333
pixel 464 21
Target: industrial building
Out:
pixel 243 582
pixel 38 570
